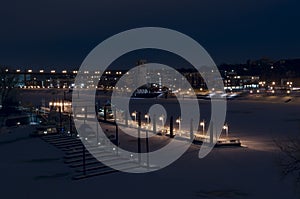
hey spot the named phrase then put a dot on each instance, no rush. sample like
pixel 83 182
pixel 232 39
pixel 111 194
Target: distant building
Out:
pixel 235 82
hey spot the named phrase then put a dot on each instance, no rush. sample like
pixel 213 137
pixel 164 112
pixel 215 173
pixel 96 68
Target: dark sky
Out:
pixel 60 33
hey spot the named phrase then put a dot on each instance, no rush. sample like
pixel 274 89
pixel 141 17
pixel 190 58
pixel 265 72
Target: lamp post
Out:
pixel 134 115
pixel 147 117
pixel 179 125
pixel 225 127
pixel 161 118
pixel 70 123
pixel 139 137
pixel 154 123
pixel 63 102
pixel 60 119
pixel 203 126
pixel 126 119
pixel 171 127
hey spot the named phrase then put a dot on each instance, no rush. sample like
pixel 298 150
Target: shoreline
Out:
pixel 35 96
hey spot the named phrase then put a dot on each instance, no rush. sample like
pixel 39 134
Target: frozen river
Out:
pixel 246 172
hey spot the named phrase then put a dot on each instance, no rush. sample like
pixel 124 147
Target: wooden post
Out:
pixel 147 149
pixel 105 110
pixel 154 123
pixel 70 123
pixel 171 127
pixel 211 133
pixel 83 159
pixel 60 119
pixel 117 139
pixel 126 119
pixel 139 137
pixel 191 131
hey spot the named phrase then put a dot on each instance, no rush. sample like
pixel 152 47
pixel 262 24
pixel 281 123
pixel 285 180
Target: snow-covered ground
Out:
pixel 31 168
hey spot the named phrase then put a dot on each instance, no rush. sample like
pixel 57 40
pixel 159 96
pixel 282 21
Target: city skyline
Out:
pixel 132 60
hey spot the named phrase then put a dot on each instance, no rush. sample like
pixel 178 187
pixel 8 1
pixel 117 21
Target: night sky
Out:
pixel 60 33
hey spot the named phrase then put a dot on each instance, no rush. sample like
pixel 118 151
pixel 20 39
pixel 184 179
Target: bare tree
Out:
pixel 290 162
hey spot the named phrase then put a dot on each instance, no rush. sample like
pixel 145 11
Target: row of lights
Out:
pixel 178 120
pixel 59 104
pixel 274 83
pixel 272 91
pixel 64 86
pixel 117 73
pixel 64 71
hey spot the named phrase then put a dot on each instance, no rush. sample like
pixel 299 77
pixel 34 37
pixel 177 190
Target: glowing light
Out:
pixel 147 117
pixel 134 115
pixel 179 125
pixel 203 126
pixel 161 118
pixel 225 127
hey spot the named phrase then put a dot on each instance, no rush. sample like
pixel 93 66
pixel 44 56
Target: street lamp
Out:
pixel 289 84
pixel 147 117
pixel 225 127
pixel 179 125
pixel 161 118
pixel 203 126
pixel 134 115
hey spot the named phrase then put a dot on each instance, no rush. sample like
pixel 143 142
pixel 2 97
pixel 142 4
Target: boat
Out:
pixel 149 92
